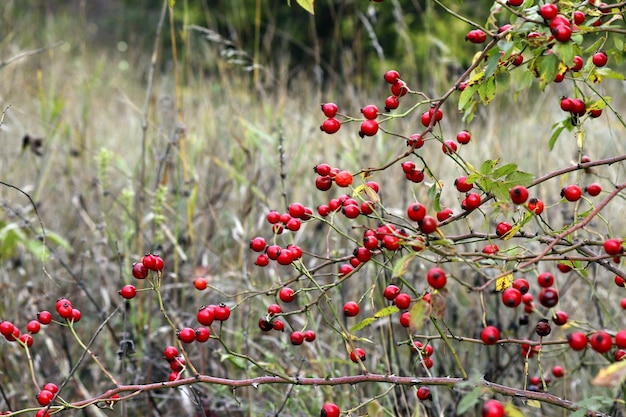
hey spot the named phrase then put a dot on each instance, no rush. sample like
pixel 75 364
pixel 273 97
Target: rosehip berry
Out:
pixel 619 281
pixel 423 394
pixel 601 342
pixel 449 147
pixel 330 410
pixel 330 125
pixel 548 297
pixel 405 319
pixel 511 297
pixel 170 353
pixel 444 214
pixel 6 328
pixel 518 194
pixel 391 103
pixel 202 334
pixel 415 141
pixel 535 206
pixel 258 244
pixel 153 262
pixel 278 325
pixel 599 59
pixel 44 317
pixel 543 328
pixel 392 76
pixel 548 11
pixel 476 36
pixel 186 335
pixel 351 309
pixel 205 315
pixel 26 339
pixel 545 279
pixel 399 88
pixel 579 108
pixel 462 185
pixel 577 340
pixel 286 295
pixel 139 270
pixel 492 408
pixel 368 128
pixel 262 260
pixel 402 301
pixel 563 267
pixel 470 202
pixel 128 291
pixel 329 109
pixel 558 371
pixel 620 339
pixel 357 354
pixel 309 335
pixel 503 228
pixel 296 337
pixel 44 398
pixel 221 312
pixel 490 335
pixel 562 33
pixel 391 292
pixel 436 278
pixel 370 111
pixel 343 178
pixel 416 212
pixel 463 137
pixel 560 318
pixel 578 64
pixel 323 183
pixel 265 325
pixel 613 246
pixel 521 285
pixel 428 225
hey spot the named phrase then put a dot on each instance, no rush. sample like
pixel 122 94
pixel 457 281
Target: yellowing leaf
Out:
pixel 504 282
pixel 418 315
pixel 533 403
pixel 611 376
pixel 307 5
pixel 511 411
pixel 369 192
pixel 595 78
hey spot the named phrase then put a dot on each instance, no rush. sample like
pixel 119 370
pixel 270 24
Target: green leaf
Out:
pixel 492 64
pixel 548 68
pixel 387 311
pixel 433 195
pixel 171 3
pixel 487 167
pixel 472 178
pixel 418 315
pixel 500 190
pixel 565 52
pixel 555 136
pixel 240 363
pixel 307 5
pixel 618 42
pixel 609 73
pixel 504 170
pixel 400 267
pixel 467 96
pixel 526 81
pixel 519 178
pixel 468 401
pixel 487 90
pixel 362 324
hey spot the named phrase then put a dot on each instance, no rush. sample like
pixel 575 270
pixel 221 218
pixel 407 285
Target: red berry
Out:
pixel 476 36
pixel 405 319
pixel 273 217
pixel 535 205
pixel 221 312
pixel 543 328
pixel 558 371
pixel 44 317
pixel 503 228
pixel 577 340
pixel 330 410
pixel 560 318
pixel 265 324
pixel 518 194
pixel 492 408
pixel 521 285
pixel 278 325
pixel 620 339
pixel 357 354
pixel 205 315
pixel 619 281
pixel 579 107
pixel 262 260
pixel 470 202
pixel 391 103
pixel 392 76
pixel 368 128
pixel 511 297
pixel 416 212
pixel 323 183
pixel 26 339
pixel 6 328
pixel 330 125
pixel 399 88
pixel 139 270
pixel 170 353
pixel 563 267
pixel 128 291
pixel 423 393
pixel 258 244
pixel 562 33
pixel 548 297
pixel 613 246
pixel 329 109
pixel 44 397
pixel 490 335
pixel 391 291
pixel 449 147
pixel 186 335
pixel 548 11
pixel 444 214
pixel 202 334
pixel 309 335
pixel 571 192
pixel 428 225
pixel 286 295
pixel 322 169
pixel 153 262
pixel 578 64
pixel 296 337
pixel 53 388
pixel 436 278
pixel 545 279
pixel 415 141
pixel 351 309
pixel 462 185
pixel 599 59
pixel 370 111
pixel 601 342
pixel 463 137
pixel 343 178
pixel 402 301
pixel 200 283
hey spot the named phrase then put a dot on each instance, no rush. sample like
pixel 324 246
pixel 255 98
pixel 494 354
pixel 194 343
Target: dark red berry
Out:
pixel 518 194
pixel 490 335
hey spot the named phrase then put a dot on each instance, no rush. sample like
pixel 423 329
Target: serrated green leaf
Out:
pixel 387 311
pixel 472 178
pixel 400 267
pixel 468 401
pixel 488 166
pixel 487 90
pixel 467 96
pixel 434 192
pixel 307 5
pixel 526 81
pixel 503 79
pixel 492 63
pixel 504 170
pixel 486 184
pixel 548 68
pixel 362 324
pixel 500 190
pixel 519 178
pixel 565 52
pixel 418 315
pixel 609 73
pixel 555 135
pixel 618 42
